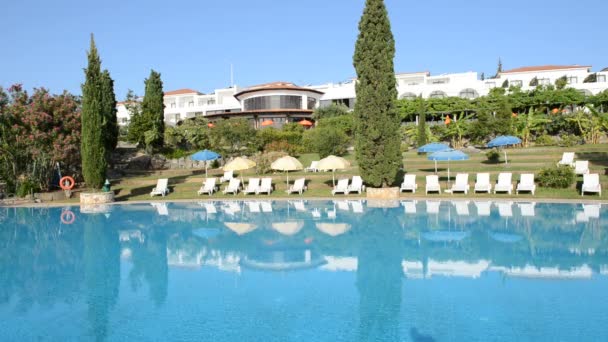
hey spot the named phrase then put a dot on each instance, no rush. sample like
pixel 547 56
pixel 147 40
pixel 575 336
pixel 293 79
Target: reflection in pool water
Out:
pixel 306 271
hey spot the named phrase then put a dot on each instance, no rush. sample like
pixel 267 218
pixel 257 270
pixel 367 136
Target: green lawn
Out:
pixel 185 183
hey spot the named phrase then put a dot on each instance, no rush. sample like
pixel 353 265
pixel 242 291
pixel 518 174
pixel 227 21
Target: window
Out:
pixel 124 120
pixel 544 81
pixel 516 83
pixel 274 102
pixel 173 104
pixel 408 96
pixel 601 78
pixel 191 104
pixel 312 102
pixel 201 102
pixel 438 94
pixel 572 80
pixel 468 94
pixel 211 102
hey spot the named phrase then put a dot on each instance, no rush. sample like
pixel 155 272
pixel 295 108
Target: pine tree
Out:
pixel 153 111
pixel 110 124
pixel 377 140
pixel 483 76
pixel 422 125
pixel 93 147
pixel 499 68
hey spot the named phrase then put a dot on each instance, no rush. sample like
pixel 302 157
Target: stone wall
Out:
pixel 94 198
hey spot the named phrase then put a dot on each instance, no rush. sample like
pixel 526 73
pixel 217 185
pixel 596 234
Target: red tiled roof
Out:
pixel 181 92
pixel 545 68
pixel 275 86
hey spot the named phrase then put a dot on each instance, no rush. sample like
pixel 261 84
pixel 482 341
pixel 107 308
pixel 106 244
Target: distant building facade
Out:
pixel 282 102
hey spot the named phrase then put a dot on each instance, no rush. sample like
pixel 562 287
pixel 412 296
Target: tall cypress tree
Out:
pixel 422 124
pixel 93 147
pixel 110 125
pixel 153 111
pixel 377 140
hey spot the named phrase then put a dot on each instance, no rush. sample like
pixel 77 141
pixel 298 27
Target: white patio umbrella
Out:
pixel 287 164
pixel 239 164
pixel 333 163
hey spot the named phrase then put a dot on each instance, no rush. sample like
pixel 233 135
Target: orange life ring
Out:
pixel 69 180
pixel 67 217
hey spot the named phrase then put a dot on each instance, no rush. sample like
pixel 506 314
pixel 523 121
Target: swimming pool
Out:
pixel 305 271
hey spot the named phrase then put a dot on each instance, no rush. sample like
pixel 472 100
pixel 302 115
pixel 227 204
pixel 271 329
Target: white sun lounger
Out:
pixel 341 187
pixel 581 167
pixel 356 185
pixel 253 186
pixel 432 184
pixel 482 184
pixel 409 183
pixel 504 183
pixel 461 184
pixel 233 186
pixel 161 187
pixel 591 183
pixel 265 186
pixel 298 186
pixel 526 183
pixel 567 159
pixel 209 187
pixel 312 167
pixel 299 205
pixel 228 175
pixel 209 207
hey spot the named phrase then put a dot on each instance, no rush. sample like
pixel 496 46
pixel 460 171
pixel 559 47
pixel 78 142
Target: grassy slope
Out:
pixel 185 183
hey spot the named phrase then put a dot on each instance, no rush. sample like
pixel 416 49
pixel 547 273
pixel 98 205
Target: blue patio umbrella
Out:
pixel 504 140
pixel 448 156
pixel 434 147
pixel 205 155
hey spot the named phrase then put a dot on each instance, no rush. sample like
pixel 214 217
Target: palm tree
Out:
pixel 526 124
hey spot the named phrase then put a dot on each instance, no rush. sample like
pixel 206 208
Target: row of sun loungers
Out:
pixel 503 184
pixel 581 167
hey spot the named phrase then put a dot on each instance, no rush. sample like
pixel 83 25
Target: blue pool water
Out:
pixel 305 271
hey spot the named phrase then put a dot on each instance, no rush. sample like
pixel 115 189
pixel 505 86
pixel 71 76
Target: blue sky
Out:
pixel 193 43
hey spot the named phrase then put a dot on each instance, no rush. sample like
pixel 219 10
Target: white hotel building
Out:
pixel 285 102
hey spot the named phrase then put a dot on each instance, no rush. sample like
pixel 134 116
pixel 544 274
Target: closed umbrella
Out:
pixel 333 163
pixel 504 140
pixel 434 147
pixel 448 156
pixel 287 164
pixel 239 164
pixel 205 155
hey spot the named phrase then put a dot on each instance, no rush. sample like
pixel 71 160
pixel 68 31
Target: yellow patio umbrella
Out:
pixel 333 229
pixel 239 164
pixel 288 228
pixel 333 163
pixel 287 164
pixel 240 227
